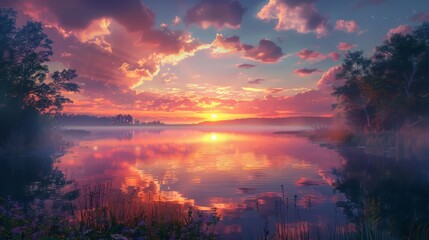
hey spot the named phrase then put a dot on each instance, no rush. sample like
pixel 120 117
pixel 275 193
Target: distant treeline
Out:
pixel 90 120
pixel 289 121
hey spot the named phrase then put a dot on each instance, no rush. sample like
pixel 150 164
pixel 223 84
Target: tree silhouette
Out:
pixel 24 80
pixel 390 88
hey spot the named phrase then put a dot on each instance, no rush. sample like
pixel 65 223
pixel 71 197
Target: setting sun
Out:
pixel 214 116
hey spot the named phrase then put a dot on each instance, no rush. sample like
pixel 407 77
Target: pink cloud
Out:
pixel 314 56
pixel 216 13
pixel 310 55
pixel 421 17
pixel 347 26
pixel 266 51
pixel 344 46
pixel 301 16
pixel 303 72
pixel 126 30
pixel 334 56
pixel 329 79
pixel 176 21
pixel 401 29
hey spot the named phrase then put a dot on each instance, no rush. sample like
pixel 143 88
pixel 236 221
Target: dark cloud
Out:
pixel 256 81
pixel 314 56
pixel 266 51
pixel 216 13
pixel 246 66
pixel 421 17
pixel 78 14
pixel 306 71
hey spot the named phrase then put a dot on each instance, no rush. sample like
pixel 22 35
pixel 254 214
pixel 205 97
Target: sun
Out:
pixel 214 116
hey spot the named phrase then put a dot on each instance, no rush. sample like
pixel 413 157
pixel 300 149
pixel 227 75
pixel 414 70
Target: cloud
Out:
pixel 344 46
pixel 246 66
pixel 421 17
pixel 216 13
pixel 126 30
pixel 329 79
pixel 275 90
pixel 313 56
pixel 176 21
pixel 334 56
pixel 301 16
pixel 364 3
pixel 266 51
pixel 401 29
pixel 302 72
pixel 79 14
pixel 169 78
pixel 347 26
pixel 256 81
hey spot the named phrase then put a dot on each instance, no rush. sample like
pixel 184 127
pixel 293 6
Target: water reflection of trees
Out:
pixel 387 194
pixel 30 176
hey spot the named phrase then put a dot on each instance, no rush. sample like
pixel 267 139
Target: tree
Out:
pixel 390 88
pixel 354 96
pixel 24 80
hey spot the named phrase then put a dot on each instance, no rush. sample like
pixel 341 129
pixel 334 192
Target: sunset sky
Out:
pixel 194 60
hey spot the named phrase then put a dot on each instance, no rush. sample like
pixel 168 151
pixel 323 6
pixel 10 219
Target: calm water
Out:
pixel 259 182
pixel 231 171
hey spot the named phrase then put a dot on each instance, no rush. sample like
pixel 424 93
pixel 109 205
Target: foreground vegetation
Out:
pixel 99 212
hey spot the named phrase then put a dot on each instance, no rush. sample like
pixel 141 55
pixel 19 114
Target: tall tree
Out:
pixel 390 88
pixel 24 80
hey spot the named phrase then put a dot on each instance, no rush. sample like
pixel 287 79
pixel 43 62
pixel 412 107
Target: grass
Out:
pixel 288 225
pixel 403 144
pixel 99 212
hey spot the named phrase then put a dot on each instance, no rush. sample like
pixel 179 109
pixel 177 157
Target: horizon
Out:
pixel 212 120
pixel 205 60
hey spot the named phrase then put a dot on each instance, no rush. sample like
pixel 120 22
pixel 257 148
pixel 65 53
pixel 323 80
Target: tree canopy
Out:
pixel 25 82
pixel 389 89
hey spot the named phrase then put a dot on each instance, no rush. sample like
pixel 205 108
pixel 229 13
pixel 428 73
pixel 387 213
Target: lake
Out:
pixel 259 184
pixel 229 170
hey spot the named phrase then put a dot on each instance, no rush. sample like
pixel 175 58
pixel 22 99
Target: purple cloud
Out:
pixel 246 66
pixel 256 81
pixel 216 13
pixel 302 72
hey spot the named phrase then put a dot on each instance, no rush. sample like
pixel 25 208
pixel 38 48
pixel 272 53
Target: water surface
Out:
pixel 245 175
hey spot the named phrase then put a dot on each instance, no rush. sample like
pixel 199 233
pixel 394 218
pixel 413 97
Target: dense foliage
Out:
pixel 389 89
pixel 24 81
pixel 27 91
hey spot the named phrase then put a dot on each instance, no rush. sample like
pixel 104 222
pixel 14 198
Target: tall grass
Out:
pixel 102 210
pixel 288 225
pixel 99 211
pixel 400 145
